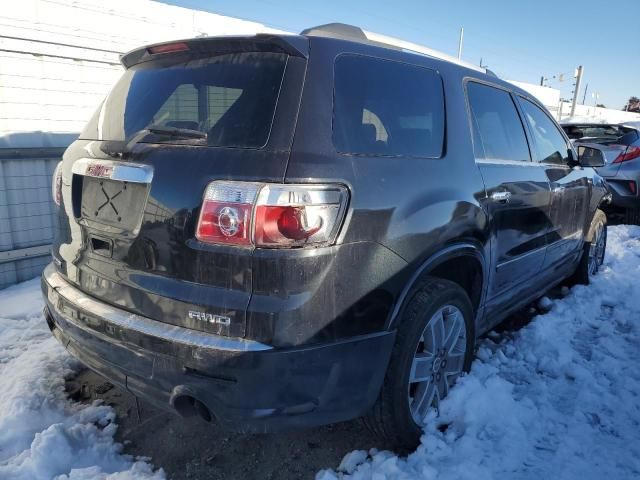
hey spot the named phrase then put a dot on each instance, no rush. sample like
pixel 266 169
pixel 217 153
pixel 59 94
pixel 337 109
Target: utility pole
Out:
pixel 576 89
pixel 542 81
pixel 584 97
pixel 460 43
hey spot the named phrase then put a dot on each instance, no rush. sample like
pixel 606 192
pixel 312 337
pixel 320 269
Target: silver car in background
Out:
pixel 621 146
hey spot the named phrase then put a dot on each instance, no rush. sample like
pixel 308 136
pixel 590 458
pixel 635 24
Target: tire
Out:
pixel 593 250
pixel 393 417
pixel 632 216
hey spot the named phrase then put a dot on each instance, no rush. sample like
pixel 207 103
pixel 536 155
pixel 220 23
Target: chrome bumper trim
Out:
pixel 59 289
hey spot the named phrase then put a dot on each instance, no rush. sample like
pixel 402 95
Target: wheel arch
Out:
pixel 450 263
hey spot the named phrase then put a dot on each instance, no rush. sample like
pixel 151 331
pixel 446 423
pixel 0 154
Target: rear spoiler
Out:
pixel 295 45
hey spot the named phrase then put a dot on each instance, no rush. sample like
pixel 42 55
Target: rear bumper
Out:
pixel 623 194
pixel 245 385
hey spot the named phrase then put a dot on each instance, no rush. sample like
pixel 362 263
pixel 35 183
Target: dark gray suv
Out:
pixel 284 231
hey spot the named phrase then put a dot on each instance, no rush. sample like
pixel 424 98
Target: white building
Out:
pixel 550 98
pixel 59 58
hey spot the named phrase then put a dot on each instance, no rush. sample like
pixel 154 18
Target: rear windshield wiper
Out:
pixel 175 131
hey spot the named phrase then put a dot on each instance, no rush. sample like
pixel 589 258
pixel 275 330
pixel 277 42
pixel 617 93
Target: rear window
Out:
pixel 604 134
pixel 230 99
pixel 387 108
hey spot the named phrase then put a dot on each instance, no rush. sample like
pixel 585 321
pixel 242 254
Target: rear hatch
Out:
pixel 182 115
pixel 614 141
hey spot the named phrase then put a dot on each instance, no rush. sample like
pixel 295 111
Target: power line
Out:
pixel 48 42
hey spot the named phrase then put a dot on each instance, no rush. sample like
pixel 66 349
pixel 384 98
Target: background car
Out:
pixel 621 146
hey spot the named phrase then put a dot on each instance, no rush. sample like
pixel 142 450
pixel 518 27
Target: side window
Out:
pixel 551 145
pixel 497 129
pixel 387 108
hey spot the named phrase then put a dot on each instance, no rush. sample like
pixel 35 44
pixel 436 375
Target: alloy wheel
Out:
pixel 597 249
pixel 438 361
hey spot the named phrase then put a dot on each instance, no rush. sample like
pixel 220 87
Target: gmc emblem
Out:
pixel 99 170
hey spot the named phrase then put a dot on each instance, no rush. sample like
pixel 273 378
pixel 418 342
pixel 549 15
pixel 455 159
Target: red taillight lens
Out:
pixel 293 223
pixel 299 215
pixel 225 215
pixel 56 184
pixel 629 154
pixel 285 215
pixel 284 225
pixel 224 223
pixel 169 48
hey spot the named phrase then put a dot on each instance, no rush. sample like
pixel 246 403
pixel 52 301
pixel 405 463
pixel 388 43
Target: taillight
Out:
pixel 56 184
pixel 298 215
pixel 632 187
pixel 629 154
pixel 225 215
pixel 273 216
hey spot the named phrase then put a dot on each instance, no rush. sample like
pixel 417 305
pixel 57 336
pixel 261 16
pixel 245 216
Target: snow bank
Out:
pixel 42 434
pixel 558 399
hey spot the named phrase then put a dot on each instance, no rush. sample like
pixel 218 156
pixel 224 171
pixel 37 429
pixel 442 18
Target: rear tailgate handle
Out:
pixel 501 196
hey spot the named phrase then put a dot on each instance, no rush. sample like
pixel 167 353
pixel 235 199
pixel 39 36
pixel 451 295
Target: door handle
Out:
pixel 501 196
pixel 558 189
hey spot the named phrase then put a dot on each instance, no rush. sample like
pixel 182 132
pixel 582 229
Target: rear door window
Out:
pixel 230 99
pixel 551 146
pixel 387 108
pixel 497 129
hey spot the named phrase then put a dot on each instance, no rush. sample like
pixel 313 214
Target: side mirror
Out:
pixel 590 156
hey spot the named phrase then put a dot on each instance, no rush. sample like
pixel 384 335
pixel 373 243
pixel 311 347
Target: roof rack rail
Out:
pixel 352 33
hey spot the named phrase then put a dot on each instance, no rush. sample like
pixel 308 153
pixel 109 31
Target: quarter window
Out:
pixel 387 108
pixel 497 129
pixel 551 146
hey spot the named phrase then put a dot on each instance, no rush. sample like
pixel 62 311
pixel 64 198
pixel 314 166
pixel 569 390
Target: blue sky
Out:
pixel 516 39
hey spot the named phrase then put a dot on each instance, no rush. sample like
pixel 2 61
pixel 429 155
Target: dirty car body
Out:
pixel 265 324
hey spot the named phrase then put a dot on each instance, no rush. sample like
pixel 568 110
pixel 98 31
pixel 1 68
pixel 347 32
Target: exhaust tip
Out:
pixel 189 406
pixel 202 410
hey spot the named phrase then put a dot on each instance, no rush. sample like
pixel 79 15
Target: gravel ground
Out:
pixel 191 448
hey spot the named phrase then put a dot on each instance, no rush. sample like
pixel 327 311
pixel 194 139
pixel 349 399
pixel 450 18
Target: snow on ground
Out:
pixel 43 435
pixel 558 399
